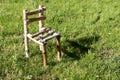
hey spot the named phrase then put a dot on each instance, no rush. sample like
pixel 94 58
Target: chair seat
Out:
pixel 43 36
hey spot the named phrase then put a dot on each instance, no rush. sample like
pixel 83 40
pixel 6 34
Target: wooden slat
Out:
pixel 35 11
pixel 43 30
pixel 38 42
pixel 47 34
pixel 50 37
pixel 36 19
pixel 38 33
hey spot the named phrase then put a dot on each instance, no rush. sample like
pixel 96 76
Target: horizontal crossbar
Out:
pixel 36 19
pixel 47 34
pixel 44 30
pixel 50 37
pixel 35 11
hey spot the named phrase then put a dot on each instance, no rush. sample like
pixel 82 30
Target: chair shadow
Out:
pixel 78 48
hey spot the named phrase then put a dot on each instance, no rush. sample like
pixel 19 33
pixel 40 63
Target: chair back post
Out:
pixel 41 23
pixel 25 32
pixel 25 22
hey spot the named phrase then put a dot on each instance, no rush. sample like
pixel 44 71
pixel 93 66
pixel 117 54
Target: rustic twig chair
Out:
pixel 41 37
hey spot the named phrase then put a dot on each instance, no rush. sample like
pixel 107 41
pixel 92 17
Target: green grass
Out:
pixel 90 41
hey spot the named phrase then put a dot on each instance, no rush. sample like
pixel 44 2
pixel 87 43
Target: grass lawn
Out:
pixel 90 41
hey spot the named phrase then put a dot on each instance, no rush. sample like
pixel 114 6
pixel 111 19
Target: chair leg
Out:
pixel 26 46
pixel 58 49
pixel 40 47
pixel 43 49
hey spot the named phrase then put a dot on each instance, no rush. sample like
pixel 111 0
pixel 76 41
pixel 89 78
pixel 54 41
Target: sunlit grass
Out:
pixel 90 41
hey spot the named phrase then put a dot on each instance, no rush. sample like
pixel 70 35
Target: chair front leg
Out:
pixel 43 49
pixel 58 49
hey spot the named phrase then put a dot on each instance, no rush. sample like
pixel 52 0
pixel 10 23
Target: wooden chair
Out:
pixel 41 37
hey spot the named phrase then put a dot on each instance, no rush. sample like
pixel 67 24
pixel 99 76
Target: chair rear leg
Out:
pixel 26 46
pixel 43 49
pixel 58 49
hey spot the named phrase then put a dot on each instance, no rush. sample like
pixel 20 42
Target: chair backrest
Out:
pixel 40 18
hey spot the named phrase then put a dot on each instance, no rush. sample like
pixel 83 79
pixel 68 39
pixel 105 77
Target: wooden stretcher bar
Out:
pixel 50 37
pixel 36 34
pixel 36 19
pixel 36 41
pixel 35 11
pixel 47 34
